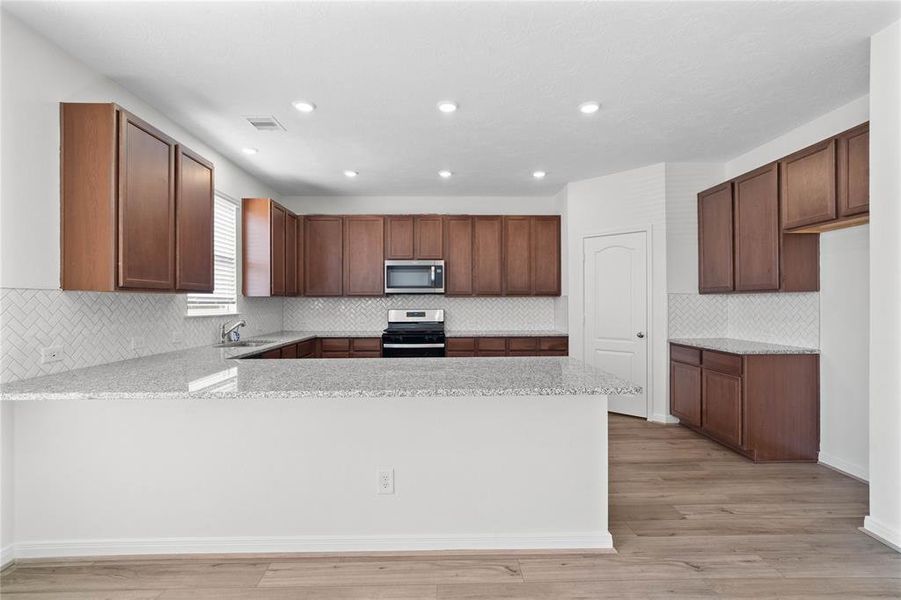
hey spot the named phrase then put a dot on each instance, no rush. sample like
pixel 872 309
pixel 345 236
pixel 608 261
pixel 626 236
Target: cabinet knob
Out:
pixel 640 334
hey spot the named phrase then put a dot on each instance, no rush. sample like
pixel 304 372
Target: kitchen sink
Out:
pixel 243 343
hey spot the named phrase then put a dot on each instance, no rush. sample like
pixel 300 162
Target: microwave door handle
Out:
pixel 433 276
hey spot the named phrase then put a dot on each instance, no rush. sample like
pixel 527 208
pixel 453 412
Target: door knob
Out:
pixel 640 334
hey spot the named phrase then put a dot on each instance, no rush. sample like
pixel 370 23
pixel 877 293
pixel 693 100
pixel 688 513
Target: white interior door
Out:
pixel 616 313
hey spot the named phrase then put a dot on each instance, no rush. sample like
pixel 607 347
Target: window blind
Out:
pixel 224 298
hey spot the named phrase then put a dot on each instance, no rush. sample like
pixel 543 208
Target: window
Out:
pixel 224 299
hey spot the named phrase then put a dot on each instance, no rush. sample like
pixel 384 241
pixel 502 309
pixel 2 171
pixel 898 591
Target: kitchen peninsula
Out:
pixel 202 450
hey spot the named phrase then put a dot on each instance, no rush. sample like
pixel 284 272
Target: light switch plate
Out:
pixel 51 354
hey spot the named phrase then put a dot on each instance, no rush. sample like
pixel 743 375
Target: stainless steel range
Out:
pixel 414 333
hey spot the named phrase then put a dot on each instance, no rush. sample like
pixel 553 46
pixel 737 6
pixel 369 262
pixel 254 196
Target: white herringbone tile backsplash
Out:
pixel 95 328
pixel 792 319
pixel 369 314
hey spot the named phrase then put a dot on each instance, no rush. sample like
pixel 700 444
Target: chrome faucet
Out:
pixel 225 332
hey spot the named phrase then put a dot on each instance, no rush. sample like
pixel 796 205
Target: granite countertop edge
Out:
pixel 742 347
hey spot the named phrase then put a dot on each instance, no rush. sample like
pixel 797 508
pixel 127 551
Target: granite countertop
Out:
pixel 207 372
pixel 735 346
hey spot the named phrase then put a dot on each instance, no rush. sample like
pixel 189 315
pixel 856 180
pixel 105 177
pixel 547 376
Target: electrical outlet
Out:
pixel 385 477
pixel 137 343
pixel 51 354
pixel 177 338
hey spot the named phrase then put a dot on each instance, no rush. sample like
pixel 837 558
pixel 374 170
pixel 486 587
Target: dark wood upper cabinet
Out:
pixel 429 237
pixel 487 256
pixel 193 215
pixel 278 222
pixel 458 255
pixel 300 254
pixel 853 148
pixel 545 255
pixel 135 207
pixel 146 206
pixel 265 248
pixel 808 185
pixel 757 233
pixel 399 237
pixel 324 255
pixel 715 240
pixel 364 246
pixel 517 253
pixel 290 255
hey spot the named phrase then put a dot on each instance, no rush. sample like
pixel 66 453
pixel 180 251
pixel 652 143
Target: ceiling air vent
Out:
pixel 266 123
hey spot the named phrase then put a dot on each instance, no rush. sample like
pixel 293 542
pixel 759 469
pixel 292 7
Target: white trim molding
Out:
pixel 882 533
pixel 844 467
pixel 7 556
pixel 601 540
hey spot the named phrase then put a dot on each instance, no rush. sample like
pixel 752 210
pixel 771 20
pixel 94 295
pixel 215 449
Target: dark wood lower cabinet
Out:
pixel 764 406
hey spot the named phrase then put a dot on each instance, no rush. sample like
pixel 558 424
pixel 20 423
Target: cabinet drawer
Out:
pixel 555 344
pixel 459 353
pixel 460 344
pixel 335 354
pixel 277 353
pixel 367 354
pixel 289 351
pixel 495 344
pixel 522 343
pixel 682 354
pixel 491 353
pixel 306 349
pixel 367 344
pixel 729 364
pixel 335 345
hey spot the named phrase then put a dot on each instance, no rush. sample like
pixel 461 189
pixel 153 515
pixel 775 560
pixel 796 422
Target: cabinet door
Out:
pixel 193 222
pixel 364 247
pixel 429 237
pixel 545 256
pixel 146 206
pixel 299 249
pixel 458 256
pixel 685 393
pixel 808 185
pixel 323 255
pixel 757 232
pixel 715 220
pixel 517 256
pixel 290 255
pixel 399 237
pixel 277 223
pixel 854 171
pixel 721 407
pixel 288 351
pixel 487 255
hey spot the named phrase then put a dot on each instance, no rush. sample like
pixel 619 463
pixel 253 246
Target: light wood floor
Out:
pixel 690 520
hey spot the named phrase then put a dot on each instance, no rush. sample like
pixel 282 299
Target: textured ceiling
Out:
pixel 678 82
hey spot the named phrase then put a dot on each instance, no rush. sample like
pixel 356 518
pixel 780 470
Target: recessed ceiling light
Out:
pixel 350 174
pixel 589 108
pixel 249 151
pixel 538 174
pixel 304 106
pixel 446 106
pixel 444 174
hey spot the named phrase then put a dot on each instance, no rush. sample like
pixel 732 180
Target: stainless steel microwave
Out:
pixel 414 276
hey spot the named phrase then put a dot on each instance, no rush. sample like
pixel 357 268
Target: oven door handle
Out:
pixel 412 345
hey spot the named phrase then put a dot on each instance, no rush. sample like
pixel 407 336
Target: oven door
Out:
pixel 412 345
pixel 414 276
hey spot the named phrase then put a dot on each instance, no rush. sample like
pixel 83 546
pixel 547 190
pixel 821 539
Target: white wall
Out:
pixel 631 199
pixel 29 193
pixel 884 519
pixel 467 205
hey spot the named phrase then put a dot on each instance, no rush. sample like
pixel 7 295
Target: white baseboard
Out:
pixel 856 471
pixel 665 419
pixel 882 532
pixel 337 544
pixel 7 555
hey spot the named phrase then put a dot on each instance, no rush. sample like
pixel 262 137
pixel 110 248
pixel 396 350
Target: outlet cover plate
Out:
pixel 385 480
